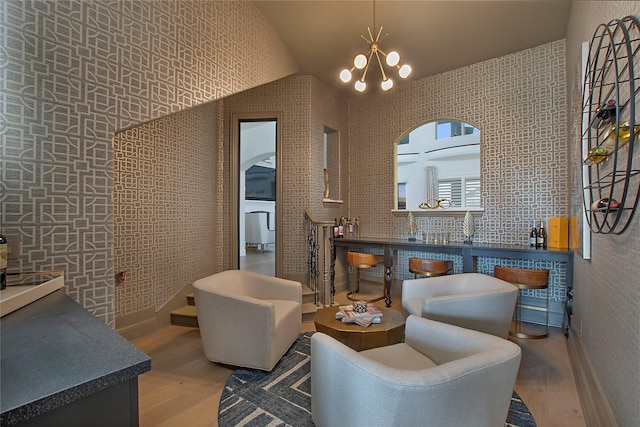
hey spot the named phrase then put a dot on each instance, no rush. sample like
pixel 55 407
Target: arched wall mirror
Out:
pixel 439 160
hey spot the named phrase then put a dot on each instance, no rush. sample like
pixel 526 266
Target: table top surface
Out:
pixel 326 317
pixel 451 245
pixel 54 351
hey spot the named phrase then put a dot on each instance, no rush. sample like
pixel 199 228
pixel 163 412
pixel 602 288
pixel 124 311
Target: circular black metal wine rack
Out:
pixel 610 126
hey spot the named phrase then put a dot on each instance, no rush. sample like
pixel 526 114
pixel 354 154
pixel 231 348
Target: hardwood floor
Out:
pixel 183 388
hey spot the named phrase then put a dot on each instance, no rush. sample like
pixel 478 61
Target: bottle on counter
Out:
pixel 336 230
pixel 3 262
pixel 533 237
pixel 341 228
pixel 541 241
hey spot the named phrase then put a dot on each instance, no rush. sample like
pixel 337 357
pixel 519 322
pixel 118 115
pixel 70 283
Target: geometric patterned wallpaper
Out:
pixel 507 98
pixel 607 287
pixel 73 73
pixel 164 207
pixel 518 102
pixel 307 106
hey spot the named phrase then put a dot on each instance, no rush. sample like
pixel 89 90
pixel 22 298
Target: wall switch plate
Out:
pixel 13 246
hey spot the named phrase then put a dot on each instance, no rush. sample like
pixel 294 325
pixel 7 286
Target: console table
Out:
pixel 469 254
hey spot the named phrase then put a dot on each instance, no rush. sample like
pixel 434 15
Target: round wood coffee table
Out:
pixel 389 331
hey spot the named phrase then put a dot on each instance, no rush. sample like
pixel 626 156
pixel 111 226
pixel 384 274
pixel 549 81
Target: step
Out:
pixel 185 316
pixel 307 295
pixel 308 312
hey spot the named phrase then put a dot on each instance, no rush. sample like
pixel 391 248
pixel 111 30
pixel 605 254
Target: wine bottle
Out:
pixel 533 237
pixel 604 114
pixel 541 241
pixel 595 156
pixel 3 262
pixel 335 229
pixel 341 228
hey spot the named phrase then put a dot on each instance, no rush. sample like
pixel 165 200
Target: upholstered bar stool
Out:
pixel 525 279
pixel 430 267
pixel 358 261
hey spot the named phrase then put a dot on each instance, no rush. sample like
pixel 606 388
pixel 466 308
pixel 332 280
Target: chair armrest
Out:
pixel 269 287
pixel 442 342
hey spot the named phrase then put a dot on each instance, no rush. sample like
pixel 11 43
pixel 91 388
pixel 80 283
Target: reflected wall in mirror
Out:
pixel 439 160
pixel 331 163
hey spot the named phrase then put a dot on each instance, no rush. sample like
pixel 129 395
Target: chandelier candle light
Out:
pixel 362 61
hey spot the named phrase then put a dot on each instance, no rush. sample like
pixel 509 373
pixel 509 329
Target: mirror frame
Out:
pixel 476 211
pixel 234 169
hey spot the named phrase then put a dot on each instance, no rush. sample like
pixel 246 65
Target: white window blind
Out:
pixel 452 189
pixel 472 192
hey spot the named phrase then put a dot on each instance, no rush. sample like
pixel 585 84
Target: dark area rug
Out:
pixel 282 397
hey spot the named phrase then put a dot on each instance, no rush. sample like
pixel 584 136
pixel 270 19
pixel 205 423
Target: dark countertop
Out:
pixel 53 352
pixel 419 244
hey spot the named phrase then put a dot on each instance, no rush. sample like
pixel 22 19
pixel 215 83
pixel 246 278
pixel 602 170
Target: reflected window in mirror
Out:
pixel 439 160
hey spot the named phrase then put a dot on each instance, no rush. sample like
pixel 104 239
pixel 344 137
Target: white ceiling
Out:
pixel 432 36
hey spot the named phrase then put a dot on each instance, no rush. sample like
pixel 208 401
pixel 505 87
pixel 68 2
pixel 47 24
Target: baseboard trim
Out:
pixel 595 406
pixel 135 325
pixel 178 300
pixel 143 322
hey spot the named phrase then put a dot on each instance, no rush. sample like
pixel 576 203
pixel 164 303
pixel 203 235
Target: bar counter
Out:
pixel 60 365
pixel 469 253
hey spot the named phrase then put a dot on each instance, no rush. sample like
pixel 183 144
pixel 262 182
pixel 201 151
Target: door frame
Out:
pixel 234 158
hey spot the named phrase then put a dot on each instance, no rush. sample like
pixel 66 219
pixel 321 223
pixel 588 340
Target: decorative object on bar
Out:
pixel 558 232
pixel 435 204
pixel 362 61
pixel 412 227
pixel 467 227
pixel 435 236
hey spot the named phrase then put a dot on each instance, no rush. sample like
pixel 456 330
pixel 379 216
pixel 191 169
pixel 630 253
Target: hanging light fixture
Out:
pixel 362 61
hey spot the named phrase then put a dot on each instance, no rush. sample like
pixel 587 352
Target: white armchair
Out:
pixel 470 300
pixel 247 319
pixel 442 375
pixel 259 229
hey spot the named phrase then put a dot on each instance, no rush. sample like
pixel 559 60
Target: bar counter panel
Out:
pixel 469 258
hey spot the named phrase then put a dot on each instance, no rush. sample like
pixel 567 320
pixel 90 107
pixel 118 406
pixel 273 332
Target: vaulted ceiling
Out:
pixel 432 36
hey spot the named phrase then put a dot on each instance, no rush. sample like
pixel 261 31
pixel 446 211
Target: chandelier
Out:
pixel 362 61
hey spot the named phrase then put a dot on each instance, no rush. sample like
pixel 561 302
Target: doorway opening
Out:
pixel 257 192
